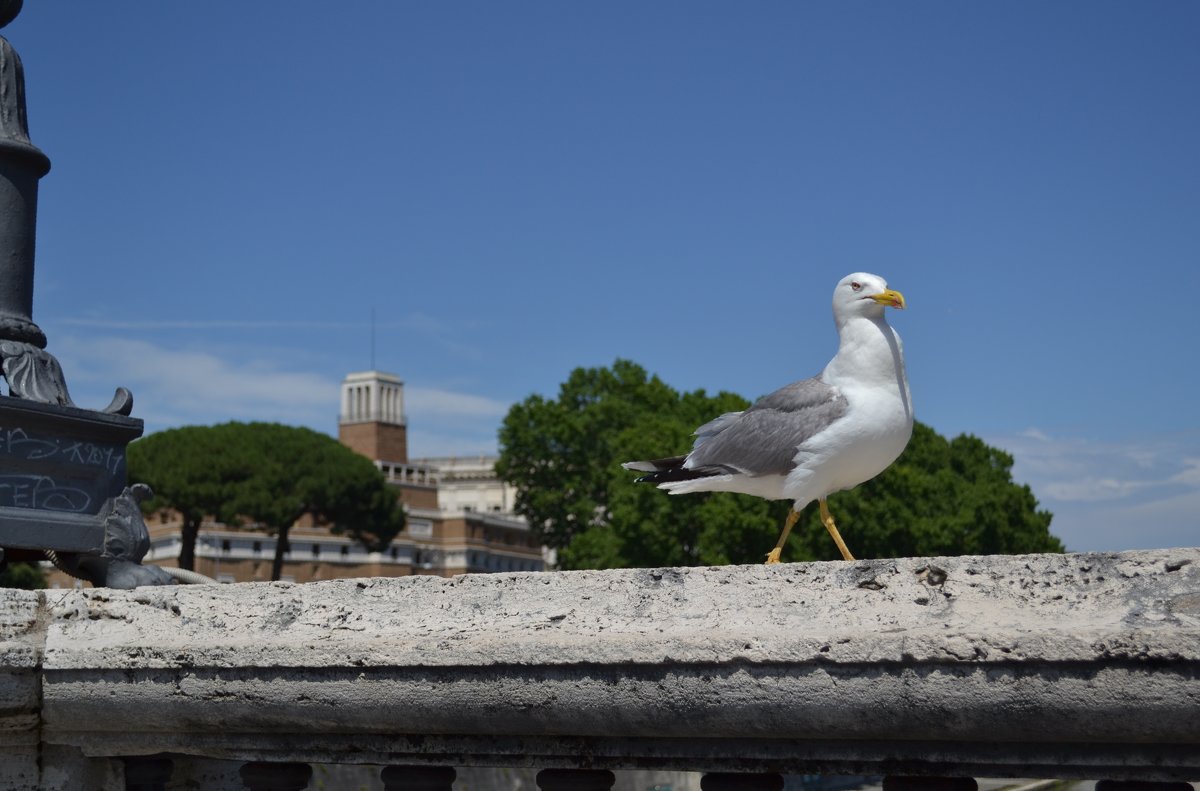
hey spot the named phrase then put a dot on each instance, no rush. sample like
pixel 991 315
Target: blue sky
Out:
pixel 517 189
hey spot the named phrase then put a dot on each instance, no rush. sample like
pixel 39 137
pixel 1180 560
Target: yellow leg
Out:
pixel 773 555
pixel 827 520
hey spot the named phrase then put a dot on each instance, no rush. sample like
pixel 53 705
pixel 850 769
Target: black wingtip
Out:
pixel 679 474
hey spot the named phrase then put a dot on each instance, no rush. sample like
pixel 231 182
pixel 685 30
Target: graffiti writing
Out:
pixel 17 442
pixel 43 492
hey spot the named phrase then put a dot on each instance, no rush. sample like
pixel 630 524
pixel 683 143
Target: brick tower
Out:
pixel 372 418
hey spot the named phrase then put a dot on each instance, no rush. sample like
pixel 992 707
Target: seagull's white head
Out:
pixel 863 294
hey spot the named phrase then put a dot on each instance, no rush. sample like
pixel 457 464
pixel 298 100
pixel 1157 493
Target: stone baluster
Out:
pixel 741 781
pixel 269 776
pixel 147 773
pixel 418 778
pixel 575 780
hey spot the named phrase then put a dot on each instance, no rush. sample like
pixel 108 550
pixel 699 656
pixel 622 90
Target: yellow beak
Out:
pixel 889 297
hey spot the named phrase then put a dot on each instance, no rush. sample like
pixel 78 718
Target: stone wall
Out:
pixel 1067 666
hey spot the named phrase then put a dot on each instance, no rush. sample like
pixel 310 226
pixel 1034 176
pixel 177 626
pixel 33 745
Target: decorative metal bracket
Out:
pixel 34 374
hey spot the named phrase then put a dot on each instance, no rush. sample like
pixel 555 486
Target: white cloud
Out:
pixel 438 331
pixel 442 333
pixel 1113 493
pixel 1093 489
pixel 1080 468
pixel 174 386
pixel 1190 474
pixel 1158 523
pixel 429 444
pixel 445 403
pixel 205 324
pixel 188 385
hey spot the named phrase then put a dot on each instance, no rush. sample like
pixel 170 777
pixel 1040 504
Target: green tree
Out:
pixel 190 470
pixel 22 574
pixel 941 497
pixel 266 476
pixel 564 456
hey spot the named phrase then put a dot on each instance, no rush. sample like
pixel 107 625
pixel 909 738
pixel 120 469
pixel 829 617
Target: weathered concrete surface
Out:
pixel 1048 665
pixel 21 639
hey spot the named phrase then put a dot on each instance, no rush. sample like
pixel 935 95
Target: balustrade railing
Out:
pixel 941 669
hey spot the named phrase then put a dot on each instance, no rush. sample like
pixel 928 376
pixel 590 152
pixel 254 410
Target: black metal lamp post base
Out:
pixel 62 469
pixel 62 489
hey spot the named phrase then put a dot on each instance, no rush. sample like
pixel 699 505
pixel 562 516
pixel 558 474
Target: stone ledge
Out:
pixel 1083 665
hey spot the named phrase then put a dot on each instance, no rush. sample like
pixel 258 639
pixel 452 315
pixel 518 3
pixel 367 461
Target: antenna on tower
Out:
pixel 372 338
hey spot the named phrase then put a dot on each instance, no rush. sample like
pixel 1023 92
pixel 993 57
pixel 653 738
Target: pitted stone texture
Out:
pixel 20 613
pixel 857 666
pixel 21 634
pixel 1135 605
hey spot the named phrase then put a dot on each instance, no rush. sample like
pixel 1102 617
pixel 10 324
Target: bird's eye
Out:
pixel 856 286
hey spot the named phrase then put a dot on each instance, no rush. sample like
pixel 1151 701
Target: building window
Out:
pixel 395 553
pixel 316 550
pixel 225 546
pixel 345 550
pixel 257 547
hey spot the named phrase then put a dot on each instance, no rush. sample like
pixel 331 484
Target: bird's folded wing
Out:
pixel 763 440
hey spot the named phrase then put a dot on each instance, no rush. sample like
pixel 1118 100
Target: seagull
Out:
pixel 814 437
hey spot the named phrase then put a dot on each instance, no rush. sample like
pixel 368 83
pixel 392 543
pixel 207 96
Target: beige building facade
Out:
pixel 460 516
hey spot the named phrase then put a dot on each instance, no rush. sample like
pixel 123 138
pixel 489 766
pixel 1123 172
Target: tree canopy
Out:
pixel 941 497
pixel 22 574
pixel 264 475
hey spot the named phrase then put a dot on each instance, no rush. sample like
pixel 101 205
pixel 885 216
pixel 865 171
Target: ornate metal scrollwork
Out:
pixel 35 375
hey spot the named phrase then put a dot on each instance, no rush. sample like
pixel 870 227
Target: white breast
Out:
pixel 869 373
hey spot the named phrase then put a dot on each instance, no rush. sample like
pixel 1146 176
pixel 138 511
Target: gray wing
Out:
pixel 763 439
